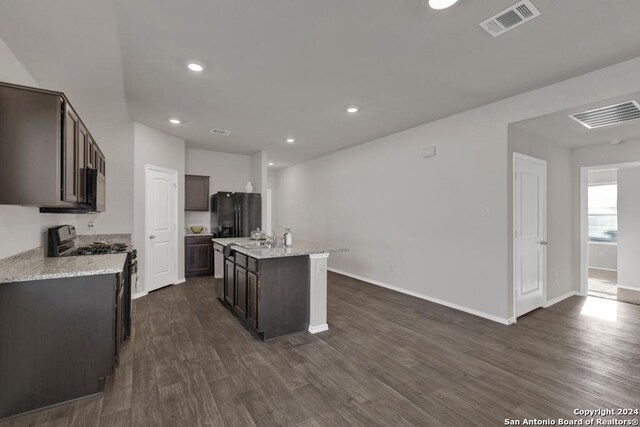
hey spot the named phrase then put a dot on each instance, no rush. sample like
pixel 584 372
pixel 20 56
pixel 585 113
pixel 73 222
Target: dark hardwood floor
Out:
pixel 388 359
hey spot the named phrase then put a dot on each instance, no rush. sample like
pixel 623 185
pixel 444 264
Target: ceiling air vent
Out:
pixel 510 18
pixel 222 132
pixel 607 116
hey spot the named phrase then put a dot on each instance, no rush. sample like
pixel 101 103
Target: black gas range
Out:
pixel 62 241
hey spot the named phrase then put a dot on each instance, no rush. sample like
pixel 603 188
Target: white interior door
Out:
pixel 530 233
pixel 161 228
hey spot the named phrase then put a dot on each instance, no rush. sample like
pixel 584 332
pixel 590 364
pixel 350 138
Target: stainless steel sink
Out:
pixel 258 245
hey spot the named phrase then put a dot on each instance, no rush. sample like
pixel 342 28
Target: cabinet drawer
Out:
pixel 252 264
pixel 198 240
pixel 241 259
pixel 218 247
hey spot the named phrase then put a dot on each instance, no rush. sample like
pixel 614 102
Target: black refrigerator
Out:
pixel 236 214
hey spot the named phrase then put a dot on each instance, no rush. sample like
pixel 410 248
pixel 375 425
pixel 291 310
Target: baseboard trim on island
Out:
pixel 139 295
pixel 472 311
pixel 318 328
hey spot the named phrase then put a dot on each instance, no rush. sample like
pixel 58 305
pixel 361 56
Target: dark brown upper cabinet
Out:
pixel 46 153
pixel 196 193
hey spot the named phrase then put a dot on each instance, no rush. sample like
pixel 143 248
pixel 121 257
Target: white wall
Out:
pixel 152 147
pixel 272 184
pixel 560 279
pixel 421 224
pixel 259 178
pixel 603 256
pixel 23 228
pixel 629 228
pixel 228 172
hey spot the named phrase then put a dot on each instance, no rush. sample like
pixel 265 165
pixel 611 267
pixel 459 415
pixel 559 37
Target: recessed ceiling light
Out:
pixel 174 121
pixel 194 66
pixel 290 140
pixel 271 163
pixel 441 4
pixel 352 109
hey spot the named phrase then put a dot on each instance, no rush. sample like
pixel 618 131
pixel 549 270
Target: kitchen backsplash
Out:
pixel 197 218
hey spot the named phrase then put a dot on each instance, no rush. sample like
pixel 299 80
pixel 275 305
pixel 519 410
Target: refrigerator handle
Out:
pixel 235 221
pixel 240 225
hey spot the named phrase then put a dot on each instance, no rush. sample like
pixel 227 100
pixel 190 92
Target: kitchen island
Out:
pixel 276 290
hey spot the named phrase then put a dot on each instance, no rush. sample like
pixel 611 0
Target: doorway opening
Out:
pixel 602 233
pixel 610 212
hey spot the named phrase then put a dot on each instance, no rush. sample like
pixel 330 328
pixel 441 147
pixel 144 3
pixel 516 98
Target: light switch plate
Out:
pixel 429 152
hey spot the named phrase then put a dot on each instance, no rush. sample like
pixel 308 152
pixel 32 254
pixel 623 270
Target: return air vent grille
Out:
pixel 510 18
pixel 607 116
pixel 222 132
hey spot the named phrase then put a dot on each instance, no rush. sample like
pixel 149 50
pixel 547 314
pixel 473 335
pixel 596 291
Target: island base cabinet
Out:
pixel 274 299
pixel 229 290
pixel 252 299
pixel 241 292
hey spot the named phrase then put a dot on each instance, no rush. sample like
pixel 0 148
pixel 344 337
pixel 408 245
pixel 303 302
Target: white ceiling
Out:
pixel 70 46
pixel 281 68
pixel 561 129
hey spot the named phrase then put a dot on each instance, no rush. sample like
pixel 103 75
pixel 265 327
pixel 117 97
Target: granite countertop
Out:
pixel 203 234
pixel 299 248
pixel 35 265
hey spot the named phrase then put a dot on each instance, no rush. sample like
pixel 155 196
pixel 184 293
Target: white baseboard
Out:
pixel 139 295
pixel 180 281
pixel 603 269
pixel 560 298
pixel 478 313
pixel 629 288
pixel 318 328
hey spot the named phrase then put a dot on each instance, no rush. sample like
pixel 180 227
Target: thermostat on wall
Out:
pixel 429 152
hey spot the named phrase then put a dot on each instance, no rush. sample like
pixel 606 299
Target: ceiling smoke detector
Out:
pixel 510 18
pixel 609 115
pixel 222 132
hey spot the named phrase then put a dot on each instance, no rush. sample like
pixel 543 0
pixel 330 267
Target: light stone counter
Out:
pixel 35 265
pixel 299 248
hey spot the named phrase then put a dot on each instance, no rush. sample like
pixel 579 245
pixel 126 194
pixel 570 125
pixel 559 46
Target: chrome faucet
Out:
pixel 272 237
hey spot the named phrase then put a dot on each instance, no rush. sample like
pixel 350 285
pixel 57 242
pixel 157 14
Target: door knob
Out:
pixel 544 242
pixel 153 236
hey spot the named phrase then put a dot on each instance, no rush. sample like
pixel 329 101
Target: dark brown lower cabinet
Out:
pixel 252 299
pixel 59 339
pixel 229 282
pixel 122 315
pixel 198 254
pixel 270 296
pixel 241 291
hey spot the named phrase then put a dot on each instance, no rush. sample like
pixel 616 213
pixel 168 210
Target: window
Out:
pixel 603 213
